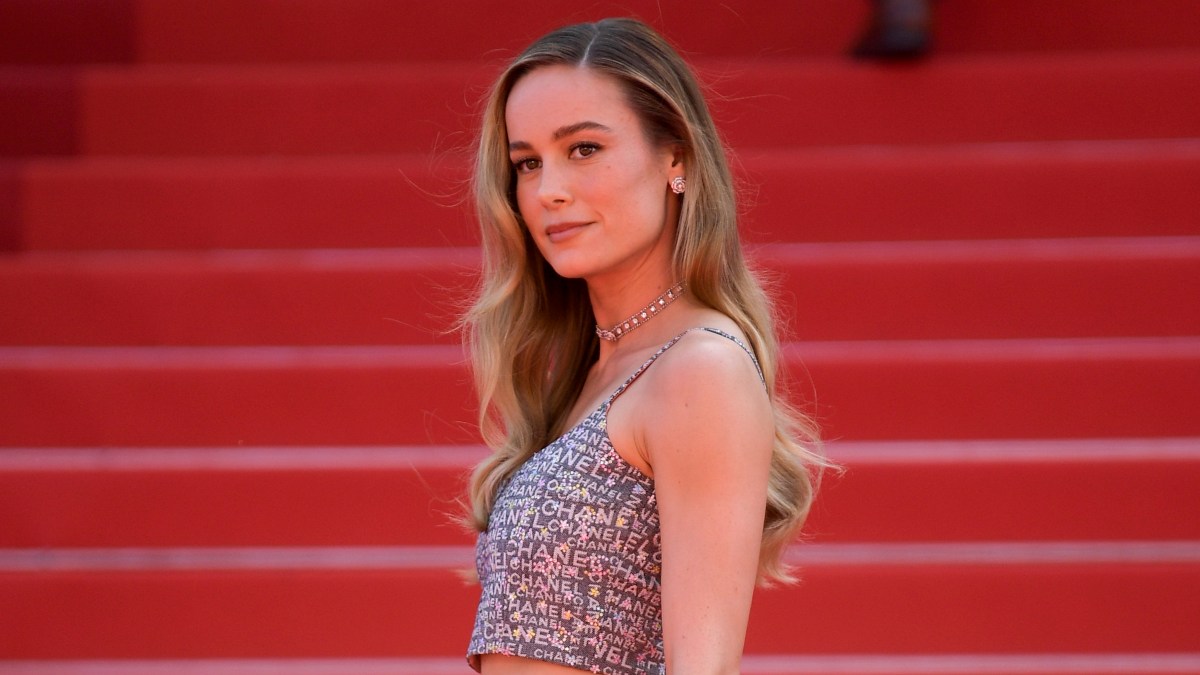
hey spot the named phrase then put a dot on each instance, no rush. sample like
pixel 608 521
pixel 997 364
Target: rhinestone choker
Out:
pixel 648 312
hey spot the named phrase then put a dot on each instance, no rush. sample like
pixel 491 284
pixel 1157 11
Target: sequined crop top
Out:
pixel 570 564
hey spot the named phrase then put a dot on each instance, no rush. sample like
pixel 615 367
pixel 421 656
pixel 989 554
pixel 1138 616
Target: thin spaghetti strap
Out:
pixel 716 331
pixel 638 373
pixel 745 348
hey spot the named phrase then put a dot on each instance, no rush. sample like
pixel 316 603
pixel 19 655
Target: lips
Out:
pixel 561 231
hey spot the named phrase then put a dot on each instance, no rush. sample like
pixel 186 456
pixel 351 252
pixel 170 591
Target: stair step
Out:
pixel 880 599
pixel 262 202
pixel 1135 489
pixel 956 290
pixel 395 296
pixel 368 109
pixel 949 491
pixel 69 31
pixel 365 31
pixel 984 191
pixel 974 191
pixel 79 397
pixel 1102 663
pixel 247 396
pixel 1000 389
pixel 220 461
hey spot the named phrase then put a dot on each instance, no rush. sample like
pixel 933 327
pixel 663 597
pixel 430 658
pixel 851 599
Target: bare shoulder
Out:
pixel 706 398
pixel 705 363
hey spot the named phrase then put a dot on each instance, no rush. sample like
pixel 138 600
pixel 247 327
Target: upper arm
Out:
pixel 708 438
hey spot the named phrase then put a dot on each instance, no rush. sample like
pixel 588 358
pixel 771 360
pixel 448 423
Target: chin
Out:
pixel 570 269
pixel 568 274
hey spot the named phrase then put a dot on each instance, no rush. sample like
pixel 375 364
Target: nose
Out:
pixel 553 186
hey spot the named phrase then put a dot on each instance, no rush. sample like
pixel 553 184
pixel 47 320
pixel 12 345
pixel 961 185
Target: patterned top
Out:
pixel 570 564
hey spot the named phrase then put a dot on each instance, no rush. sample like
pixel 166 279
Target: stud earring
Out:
pixel 678 185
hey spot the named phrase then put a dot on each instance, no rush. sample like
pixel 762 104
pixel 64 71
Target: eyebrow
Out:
pixel 562 133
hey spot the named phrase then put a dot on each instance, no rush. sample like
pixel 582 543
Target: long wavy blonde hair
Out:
pixel 530 332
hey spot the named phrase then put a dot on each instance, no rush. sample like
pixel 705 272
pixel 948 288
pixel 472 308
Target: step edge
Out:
pixel 753 158
pixel 1073 349
pixel 1096 663
pixel 458 558
pixel 463 457
pixel 466 259
pixel 708 68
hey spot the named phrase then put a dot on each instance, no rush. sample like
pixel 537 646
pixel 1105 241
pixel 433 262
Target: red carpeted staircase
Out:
pixel 234 423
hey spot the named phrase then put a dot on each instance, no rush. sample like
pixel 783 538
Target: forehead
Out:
pixel 552 97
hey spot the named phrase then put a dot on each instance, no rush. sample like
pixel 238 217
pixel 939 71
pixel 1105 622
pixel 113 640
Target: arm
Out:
pixel 709 443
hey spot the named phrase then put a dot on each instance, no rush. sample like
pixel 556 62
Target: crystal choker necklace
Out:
pixel 648 312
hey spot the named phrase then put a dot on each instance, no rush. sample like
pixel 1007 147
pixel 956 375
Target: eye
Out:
pixel 527 164
pixel 584 149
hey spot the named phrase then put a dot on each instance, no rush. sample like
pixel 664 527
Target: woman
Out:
pixel 644 474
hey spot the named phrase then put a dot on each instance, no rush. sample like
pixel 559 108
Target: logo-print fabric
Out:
pixel 571 560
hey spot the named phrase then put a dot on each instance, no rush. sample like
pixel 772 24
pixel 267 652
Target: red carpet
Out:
pixel 234 423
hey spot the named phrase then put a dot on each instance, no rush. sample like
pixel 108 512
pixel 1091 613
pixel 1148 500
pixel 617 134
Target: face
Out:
pixel 592 189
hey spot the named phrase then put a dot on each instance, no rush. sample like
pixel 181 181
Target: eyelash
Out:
pixel 522 165
pixel 586 144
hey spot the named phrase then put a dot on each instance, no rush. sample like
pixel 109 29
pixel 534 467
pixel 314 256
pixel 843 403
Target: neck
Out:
pixel 615 301
pixel 635 313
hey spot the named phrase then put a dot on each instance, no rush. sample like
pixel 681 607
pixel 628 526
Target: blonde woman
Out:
pixel 644 473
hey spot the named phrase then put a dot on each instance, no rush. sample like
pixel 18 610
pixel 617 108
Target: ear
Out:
pixel 677 157
pixel 677 168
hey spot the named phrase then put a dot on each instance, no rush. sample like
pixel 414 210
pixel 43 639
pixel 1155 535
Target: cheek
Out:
pixel 526 203
pixel 630 192
pixel 644 198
